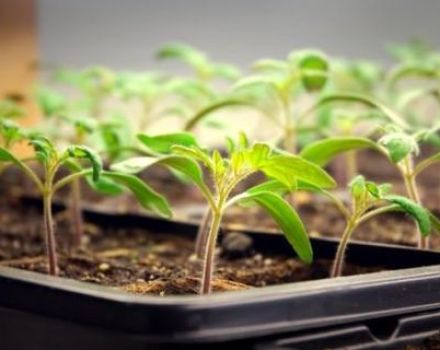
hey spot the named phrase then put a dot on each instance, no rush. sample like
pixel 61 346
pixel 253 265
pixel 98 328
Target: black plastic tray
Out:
pixel 77 314
pixel 384 333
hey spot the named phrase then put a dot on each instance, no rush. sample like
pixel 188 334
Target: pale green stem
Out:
pixel 145 117
pixel 50 234
pixel 423 165
pixel 289 142
pixel 338 263
pixel 351 163
pixel 372 213
pixel 202 233
pixel 77 217
pixel 68 179
pixel 209 253
pixel 352 224
pixel 412 191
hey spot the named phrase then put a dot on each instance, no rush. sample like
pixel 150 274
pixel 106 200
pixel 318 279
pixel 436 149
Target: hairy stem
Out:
pixel 209 252
pixel 77 217
pixel 351 163
pixel 289 142
pixel 68 179
pixel 145 116
pixel 413 194
pixel 202 233
pixel 50 234
pixel 338 263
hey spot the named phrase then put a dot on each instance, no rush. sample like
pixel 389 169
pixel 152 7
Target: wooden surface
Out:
pixel 18 52
pixel 18 55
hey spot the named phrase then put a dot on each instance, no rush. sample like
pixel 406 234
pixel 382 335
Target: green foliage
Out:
pixel 399 145
pixel 286 218
pixel 204 68
pixel 84 152
pixel 227 171
pixel 313 66
pixel 323 151
pixel 416 211
pixel 164 143
pixel 10 110
pixel 145 195
pixel 51 102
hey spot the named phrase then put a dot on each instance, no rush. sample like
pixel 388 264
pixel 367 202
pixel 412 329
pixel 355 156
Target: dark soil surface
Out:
pixel 147 262
pixel 142 261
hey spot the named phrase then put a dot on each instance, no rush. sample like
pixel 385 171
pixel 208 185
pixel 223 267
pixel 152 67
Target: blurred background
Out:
pixel 125 34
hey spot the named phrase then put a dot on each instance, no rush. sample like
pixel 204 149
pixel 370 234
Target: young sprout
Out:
pixel 226 172
pixel 10 110
pixel 79 129
pixel 360 76
pixel 108 182
pixel 96 84
pixel 275 92
pixel 10 131
pixel 162 96
pixel 415 51
pixel 398 146
pixel 367 201
pixel 373 111
pixel 204 69
pixel 401 148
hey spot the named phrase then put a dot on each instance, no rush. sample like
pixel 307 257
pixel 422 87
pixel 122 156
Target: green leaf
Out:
pixel 361 99
pixel 262 94
pixel 426 163
pixel 373 189
pixel 182 52
pixel 314 66
pixel 10 132
pixel 44 149
pixel 226 71
pixel 6 156
pixel 195 153
pixel 323 151
pixel 164 143
pixel 271 66
pixel 399 145
pixel 420 214
pixel 404 71
pixel 229 102
pixel 219 163
pixel 84 152
pixel 243 141
pixel 288 169
pixel 288 221
pixel 104 185
pixel 182 164
pixel 358 187
pixel 273 186
pixel 435 222
pixel 146 196
pixel 10 110
pixel 258 154
pixel 50 101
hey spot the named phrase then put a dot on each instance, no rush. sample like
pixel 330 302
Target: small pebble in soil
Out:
pixel 193 258
pixel 267 262
pixel 236 245
pixel 104 267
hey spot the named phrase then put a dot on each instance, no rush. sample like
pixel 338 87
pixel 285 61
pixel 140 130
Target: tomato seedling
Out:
pixel 109 182
pixel 226 172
